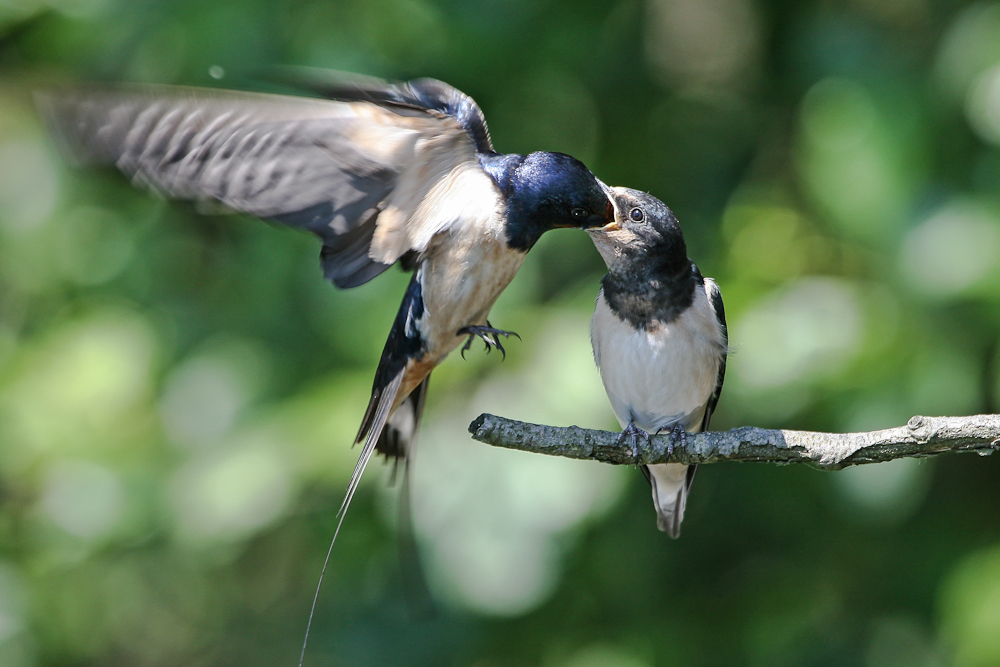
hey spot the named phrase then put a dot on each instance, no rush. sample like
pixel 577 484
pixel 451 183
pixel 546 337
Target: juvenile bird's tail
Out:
pixel 671 483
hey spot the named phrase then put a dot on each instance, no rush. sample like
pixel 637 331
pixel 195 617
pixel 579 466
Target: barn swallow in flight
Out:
pixel 381 173
pixel 659 337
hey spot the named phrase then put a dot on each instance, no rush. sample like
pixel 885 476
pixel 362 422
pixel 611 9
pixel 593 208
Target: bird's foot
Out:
pixel 488 334
pixel 632 433
pixel 677 436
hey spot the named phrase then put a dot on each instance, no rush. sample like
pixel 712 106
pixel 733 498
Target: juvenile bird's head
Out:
pixel 650 277
pixel 643 233
pixel 551 190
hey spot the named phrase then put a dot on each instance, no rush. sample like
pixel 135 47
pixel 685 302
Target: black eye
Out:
pixel 579 213
pixel 637 215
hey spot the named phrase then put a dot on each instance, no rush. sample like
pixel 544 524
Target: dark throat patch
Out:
pixel 644 298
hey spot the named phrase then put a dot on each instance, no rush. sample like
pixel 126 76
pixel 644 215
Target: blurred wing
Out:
pixel 353 173
pixel 428 95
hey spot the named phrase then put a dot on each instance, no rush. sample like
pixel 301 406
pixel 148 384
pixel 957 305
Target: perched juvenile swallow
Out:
pixel 659 338
pixel 382 173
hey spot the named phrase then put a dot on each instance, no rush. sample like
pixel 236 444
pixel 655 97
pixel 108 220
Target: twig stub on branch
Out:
pixel 921 436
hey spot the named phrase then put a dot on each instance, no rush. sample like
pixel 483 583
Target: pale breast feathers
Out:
pixel 467 272
pixel 663 374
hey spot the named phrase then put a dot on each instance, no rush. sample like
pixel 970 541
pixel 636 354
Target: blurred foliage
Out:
pixel 178 391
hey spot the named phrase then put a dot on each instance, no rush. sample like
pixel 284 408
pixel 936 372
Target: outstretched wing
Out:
pixel 429 95
pixel 359 174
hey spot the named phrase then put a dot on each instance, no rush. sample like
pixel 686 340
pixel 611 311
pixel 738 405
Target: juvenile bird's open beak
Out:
pixel 603 221
pixel 610 220
pixel 599 220
pixel 611 224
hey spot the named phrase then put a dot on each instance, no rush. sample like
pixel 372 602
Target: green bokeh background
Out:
pixel 178 391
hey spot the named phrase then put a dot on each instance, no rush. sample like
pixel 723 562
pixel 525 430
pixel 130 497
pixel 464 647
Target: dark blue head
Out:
pixel 546 191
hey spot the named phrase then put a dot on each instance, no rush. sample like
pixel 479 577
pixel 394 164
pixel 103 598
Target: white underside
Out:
pixel 660 377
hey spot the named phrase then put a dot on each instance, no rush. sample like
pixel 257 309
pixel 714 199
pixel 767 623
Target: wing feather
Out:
pixel 715 298
pixel 664 478
pixel 352 172
pixel 428 95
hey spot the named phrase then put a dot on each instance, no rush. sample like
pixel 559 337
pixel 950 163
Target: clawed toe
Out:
pixel 632 433
pixel 489 335
pixel 677 435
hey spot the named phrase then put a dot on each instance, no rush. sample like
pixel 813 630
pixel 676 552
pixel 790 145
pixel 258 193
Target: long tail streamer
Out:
pixel 381 416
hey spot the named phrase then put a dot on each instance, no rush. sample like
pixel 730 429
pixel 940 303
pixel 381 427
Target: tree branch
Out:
pixel 922 436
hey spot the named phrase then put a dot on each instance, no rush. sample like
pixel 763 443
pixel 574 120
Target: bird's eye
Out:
pixel 579 213
pixel 637 215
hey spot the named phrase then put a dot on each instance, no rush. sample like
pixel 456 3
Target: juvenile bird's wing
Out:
pixel 715 298
pixel 671 521
pixel 364 174
pixel 671 482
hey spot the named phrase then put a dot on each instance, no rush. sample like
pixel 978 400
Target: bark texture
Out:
pixel 921 436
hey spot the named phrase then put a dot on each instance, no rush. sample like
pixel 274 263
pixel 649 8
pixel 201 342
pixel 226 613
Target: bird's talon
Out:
pixel 677 434
pixel 468 344
pixel 496 342
pixel 632 433
pixel 489 335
